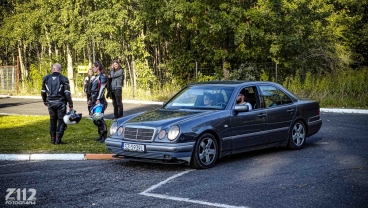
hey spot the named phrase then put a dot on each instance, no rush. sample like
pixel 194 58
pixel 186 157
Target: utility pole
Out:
pixel 196 72
pixel 276 71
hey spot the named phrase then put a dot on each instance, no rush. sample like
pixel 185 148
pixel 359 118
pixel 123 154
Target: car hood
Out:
pixel 161 117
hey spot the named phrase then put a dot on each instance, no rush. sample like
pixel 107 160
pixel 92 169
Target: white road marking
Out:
pixel 162 196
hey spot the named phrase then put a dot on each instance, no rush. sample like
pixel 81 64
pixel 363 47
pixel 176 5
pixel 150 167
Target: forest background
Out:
pixel 315 48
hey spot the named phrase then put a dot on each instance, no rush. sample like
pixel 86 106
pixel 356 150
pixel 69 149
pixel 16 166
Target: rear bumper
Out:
pixel 314 127
pixel 163 152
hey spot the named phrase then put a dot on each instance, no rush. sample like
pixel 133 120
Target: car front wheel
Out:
pixel 297 135
pixel 205 152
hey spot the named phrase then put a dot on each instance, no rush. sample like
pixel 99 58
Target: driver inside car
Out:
pixel 208 99
pixel 240 100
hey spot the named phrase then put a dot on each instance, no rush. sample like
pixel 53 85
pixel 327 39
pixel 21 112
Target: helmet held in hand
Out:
pixel 97 111
pixel 72 118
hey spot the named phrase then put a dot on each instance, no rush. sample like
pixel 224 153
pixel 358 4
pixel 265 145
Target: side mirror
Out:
pixel 241 108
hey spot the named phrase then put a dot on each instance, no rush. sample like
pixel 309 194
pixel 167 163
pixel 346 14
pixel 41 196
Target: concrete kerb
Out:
pixel 39 157
pixel 343 110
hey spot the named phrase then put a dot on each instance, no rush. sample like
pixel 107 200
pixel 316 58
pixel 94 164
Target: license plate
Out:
pixel 134 147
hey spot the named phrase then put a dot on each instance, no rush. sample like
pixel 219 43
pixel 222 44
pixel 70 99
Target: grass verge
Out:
pixel 30 134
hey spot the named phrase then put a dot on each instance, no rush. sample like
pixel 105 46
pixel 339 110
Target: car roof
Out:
pixel 241 83
pixel 232 83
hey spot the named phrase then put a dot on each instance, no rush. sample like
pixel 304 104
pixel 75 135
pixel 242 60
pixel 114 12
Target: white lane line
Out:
pixel 162 196
pixel 165 181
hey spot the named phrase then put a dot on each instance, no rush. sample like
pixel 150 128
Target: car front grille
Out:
pixel 139 133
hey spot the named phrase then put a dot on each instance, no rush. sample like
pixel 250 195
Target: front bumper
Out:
pixel 163 152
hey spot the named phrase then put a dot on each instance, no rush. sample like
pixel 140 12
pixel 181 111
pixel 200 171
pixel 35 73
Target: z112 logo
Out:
pixel 17 196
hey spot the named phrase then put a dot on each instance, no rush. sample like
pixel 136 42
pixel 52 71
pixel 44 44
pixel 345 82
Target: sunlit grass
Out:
pixel 30 134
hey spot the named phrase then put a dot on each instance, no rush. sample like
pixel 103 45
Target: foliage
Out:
pixel 154 94
pixel 343 89
pixel 264 76
pixel 35 78
pixel 145 77
pixel 159 42
pixel 204 78
pixel 246 71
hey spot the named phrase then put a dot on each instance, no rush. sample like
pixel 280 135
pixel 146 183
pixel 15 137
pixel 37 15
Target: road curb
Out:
pixel 38 157
pixel 99 157
pixel 343 110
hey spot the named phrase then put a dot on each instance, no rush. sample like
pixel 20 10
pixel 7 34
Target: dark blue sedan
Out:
pixel 206 121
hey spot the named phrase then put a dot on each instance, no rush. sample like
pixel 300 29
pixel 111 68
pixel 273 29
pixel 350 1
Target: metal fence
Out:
pixel 8 79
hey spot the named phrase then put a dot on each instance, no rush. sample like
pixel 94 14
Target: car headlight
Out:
pixel 173 133
pixel 120 130
pixel 113 128
pixel 162 134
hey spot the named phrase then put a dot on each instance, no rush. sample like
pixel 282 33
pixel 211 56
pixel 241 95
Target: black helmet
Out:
pixel 72 118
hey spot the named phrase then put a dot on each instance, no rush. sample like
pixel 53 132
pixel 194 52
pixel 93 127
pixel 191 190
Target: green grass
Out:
pixel 30 134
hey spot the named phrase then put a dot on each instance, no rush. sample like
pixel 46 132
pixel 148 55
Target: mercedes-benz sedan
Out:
pixel 205 122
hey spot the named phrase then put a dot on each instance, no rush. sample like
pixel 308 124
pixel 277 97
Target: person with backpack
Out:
pixel 116 85
pixel 97 99
pixel 55 94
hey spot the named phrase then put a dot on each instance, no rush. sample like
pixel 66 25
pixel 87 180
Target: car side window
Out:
pixel 273 96
pixel 270 95
pixel 250 95
pixel 284 98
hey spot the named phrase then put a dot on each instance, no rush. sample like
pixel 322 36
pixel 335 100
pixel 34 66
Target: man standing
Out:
pixel 117 82
pixel 55 94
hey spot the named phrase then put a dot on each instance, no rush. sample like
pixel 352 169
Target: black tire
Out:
pixel 297 135
pixel 205 152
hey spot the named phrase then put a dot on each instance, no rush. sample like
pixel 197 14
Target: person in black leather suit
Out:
pixel 55 94
pixel 98 87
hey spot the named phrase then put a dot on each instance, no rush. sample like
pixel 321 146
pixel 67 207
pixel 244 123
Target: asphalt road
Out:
pixel 36 107
pixel 331 171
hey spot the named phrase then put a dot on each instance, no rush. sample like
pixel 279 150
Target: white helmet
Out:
pixel 72 118
pixel 97 112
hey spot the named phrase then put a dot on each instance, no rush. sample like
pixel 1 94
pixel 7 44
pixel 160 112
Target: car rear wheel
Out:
pixel 205 152
pixel 297 135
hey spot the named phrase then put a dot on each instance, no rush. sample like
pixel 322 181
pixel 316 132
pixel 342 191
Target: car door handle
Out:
pixel 262 115
pixel 290 110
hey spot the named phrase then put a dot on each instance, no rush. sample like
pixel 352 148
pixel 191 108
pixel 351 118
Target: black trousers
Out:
pixel 117 102
pixel 57 111
pixel 88 106
pixel 101 127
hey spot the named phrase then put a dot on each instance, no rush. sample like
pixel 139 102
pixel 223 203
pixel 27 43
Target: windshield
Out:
pixel 201 97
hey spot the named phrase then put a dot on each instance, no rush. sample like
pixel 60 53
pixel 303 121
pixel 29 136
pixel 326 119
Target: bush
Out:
pixel 346 89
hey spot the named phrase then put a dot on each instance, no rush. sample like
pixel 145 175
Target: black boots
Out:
pixel 53 135
pixel 102 136
pixel 98 138
pixel 58 137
